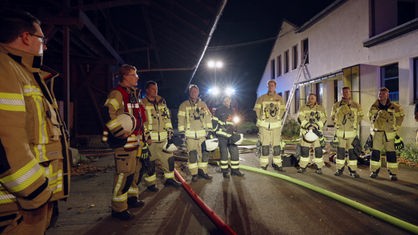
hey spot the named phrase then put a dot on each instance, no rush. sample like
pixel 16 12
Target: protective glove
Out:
pixel 399 145
pixel 335 142
pixel 145 152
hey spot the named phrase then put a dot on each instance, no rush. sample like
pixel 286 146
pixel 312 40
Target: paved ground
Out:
pixel 255 204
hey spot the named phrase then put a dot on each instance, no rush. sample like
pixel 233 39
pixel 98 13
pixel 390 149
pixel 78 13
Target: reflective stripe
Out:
pixel 340 161
pixel 40 152
pixel 122 197
pixel 352 162
pixel 150 179
pixel 257 106
pixel 12 102
pixel 392 165
pixel 169 175
pixel 264 161
pixel 24 177
pixel 202 165
pixel 192 166
pixel 181 113
pixel 6 197
pixel 375 163
pixel 195 134
pixel 158 136
pixel 113 102
pixel 181 127
pixel 133 191
pixel 269 125
pixel 37 96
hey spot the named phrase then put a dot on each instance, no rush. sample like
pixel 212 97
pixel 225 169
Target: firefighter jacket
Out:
pixel 125 100
pixel 222 122
pixel 387 118
pixel 312 116
pixel 347 116
pixel 158 123
pixel 269 109
pixel 33 147
pixel 194 119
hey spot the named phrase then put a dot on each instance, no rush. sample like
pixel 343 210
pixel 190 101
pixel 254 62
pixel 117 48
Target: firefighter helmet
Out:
pixel 210 144
pixel 310 136
pixel 169 147
pixel 124 123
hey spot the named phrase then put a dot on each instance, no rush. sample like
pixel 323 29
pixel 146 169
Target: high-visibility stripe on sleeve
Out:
pixel 12 102
pixel 113 102
pixel 24 177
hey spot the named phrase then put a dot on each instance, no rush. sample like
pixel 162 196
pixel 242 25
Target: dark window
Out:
pixel 279 65
pixel 273 70
pixel 297 100
pixel 416 79
pixel 319 91
pixel 286 61
pixel 286 95
pixel 406 11
pixel 295 56
pixel 305 51
pixel 389 75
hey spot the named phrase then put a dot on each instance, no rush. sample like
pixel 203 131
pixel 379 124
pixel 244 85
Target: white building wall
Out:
pixel 336 42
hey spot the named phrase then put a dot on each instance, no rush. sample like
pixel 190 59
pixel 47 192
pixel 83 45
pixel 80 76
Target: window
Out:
pixel 305 51
pixel 295 57
pixel 286 61
pixel 286 95
pixel 389 78
pixel 319 91
pixel 416 79
pixel 273 68
pixel 279 65
pixel 406 11
pixel 297 100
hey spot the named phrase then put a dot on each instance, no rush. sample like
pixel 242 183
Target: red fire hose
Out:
pixel 208 211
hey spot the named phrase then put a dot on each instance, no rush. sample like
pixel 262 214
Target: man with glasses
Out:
pixel 32 135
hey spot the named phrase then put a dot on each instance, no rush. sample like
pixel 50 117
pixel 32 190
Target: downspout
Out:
pixel 215 23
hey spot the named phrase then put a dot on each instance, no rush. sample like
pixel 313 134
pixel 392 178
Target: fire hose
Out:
pixel 206 209
pixel 366 209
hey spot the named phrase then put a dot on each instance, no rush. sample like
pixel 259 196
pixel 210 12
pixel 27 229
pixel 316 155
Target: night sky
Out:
pixel 241 41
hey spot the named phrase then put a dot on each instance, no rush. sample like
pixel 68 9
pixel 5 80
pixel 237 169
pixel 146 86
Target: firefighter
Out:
pixel 195 121
pixel 228 137
pixel 269 109
pixel 33 141
pixel 346 115
pixel 386 118
pixel 312 118
pixel 127 142
pixel 160 131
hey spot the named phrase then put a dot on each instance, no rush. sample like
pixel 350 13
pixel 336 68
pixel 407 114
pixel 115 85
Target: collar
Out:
pixel 30 62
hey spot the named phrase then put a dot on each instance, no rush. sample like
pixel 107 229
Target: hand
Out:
pixel 145 152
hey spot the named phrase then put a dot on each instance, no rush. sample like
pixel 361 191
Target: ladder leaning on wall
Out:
pixel 302 70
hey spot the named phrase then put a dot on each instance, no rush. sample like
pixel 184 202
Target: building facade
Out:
pixel 362 44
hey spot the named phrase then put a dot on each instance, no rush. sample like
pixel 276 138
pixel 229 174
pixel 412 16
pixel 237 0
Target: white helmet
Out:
pixel 240 140
pixel 210 144
pixel 310 136
pixel 124 123
pixel 169 148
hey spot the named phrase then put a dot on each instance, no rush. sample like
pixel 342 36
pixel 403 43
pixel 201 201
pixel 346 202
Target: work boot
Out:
pixel 278 168
pixel 195 178
pixel 172 182
pixel 354 174
pixel 133 202
pixel 236 172
pixel 393 177
pixel 152 188
pixel 301 170
pixel 204 175
pixel 374 174
pixel 225 175
pixel 318 171
pixel 339 172
pixel 123 215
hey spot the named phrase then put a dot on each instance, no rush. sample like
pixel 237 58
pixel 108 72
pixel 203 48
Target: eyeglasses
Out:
pixel 43 38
